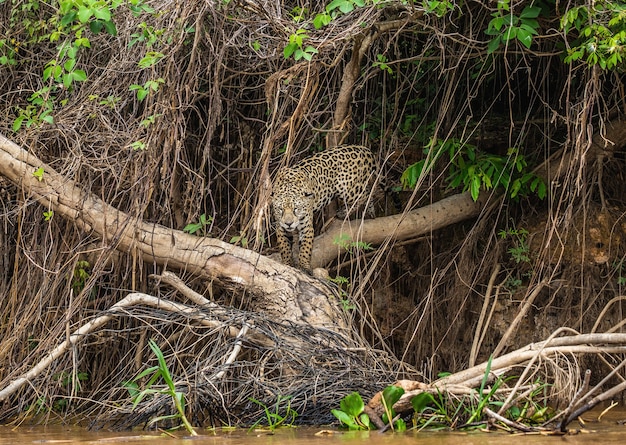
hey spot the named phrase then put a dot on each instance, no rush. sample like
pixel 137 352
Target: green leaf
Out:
pixel 352 404
pixel 421 401
pixel 96 26
pixel 39 174
pixel 103 14
pixel 411 174
pixel 162 365
pixel 515 188
pixel 84 14
pixel 392 394
pixel 343 417
pixel 346 7
pixel 365 420
pixel 67 80
pixel 146 372
pixel 475 187
pixel 67 18
pixel 321 20
pixel 110 28
pixel 524 37
pixel 17 123
pixel 334 5
pixel 400 425
pixel 542 190
pixel 510 33
pixel 290 49
pixel 494 44
pixel 530 12
pixel 79 75
pixel 69 64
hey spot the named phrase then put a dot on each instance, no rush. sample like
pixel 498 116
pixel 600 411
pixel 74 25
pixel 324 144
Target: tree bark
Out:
pixel 403 226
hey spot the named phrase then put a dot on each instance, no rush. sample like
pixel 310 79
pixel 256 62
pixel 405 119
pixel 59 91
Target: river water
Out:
pixel 609 430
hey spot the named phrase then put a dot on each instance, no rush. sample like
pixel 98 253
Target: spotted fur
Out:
pixel 343 172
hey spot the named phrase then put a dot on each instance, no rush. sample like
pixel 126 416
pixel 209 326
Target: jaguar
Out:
pixel 345 172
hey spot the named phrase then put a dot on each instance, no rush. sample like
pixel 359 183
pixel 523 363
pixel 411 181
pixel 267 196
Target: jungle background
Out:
pixel 179 113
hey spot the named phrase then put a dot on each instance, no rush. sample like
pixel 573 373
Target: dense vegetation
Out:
pixel 178 113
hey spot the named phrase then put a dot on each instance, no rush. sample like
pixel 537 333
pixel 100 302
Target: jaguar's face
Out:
pixel 292 202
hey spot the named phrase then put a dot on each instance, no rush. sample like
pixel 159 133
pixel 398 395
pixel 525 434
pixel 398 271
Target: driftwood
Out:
pixel 525 361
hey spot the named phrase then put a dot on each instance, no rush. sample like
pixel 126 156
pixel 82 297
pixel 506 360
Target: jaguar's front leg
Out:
pixel 284 245
pixel 306 247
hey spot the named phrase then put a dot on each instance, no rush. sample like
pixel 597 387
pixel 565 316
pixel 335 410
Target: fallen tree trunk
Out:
pixel 277 290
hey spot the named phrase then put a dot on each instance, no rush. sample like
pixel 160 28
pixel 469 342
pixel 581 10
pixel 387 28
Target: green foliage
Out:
pixel 81 275
pixel 200 228
pixel 506 26
pixel 390 396
pixel 275 419
pixel 520 252
pixel 296 46
pixel 150 86
pixel 147 34
pixel 438 7
pixel 38 174
pixel 484 397
pixel 475 170
pixel 352 247
pixel 345 301
pixel 158 372
pixel 351 413
pixel 70 25
pixel 240 239
pixel 150 59
pixel 382 64
pixel 600 34
pixel 431 411
pixel 138 145
pixel 71 381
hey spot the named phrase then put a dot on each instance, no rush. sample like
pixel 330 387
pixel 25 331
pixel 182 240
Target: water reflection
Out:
pixel 608 431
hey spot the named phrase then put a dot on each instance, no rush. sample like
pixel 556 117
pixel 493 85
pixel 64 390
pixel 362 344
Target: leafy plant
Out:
pixel 430 411
pixel 296 46
pixel 158 372
pixel 382 64
pixel 38 174
pixel 240 239
pixel 345 302
pixel 475 170
pixel 345 242
pixel 144 90
pixel 71 380
pixel 391 394
pixel 275 419
pixel 81 275
pixel 520 252
pixel 438 7
pixel 351 413
pixel 600 33
pixel 506 26
pixel 484 397
pixel 47 215
pixel 201 228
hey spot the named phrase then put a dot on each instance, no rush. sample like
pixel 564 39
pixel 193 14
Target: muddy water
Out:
pixel 607 431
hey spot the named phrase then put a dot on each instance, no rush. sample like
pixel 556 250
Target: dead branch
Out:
pixel 117 309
